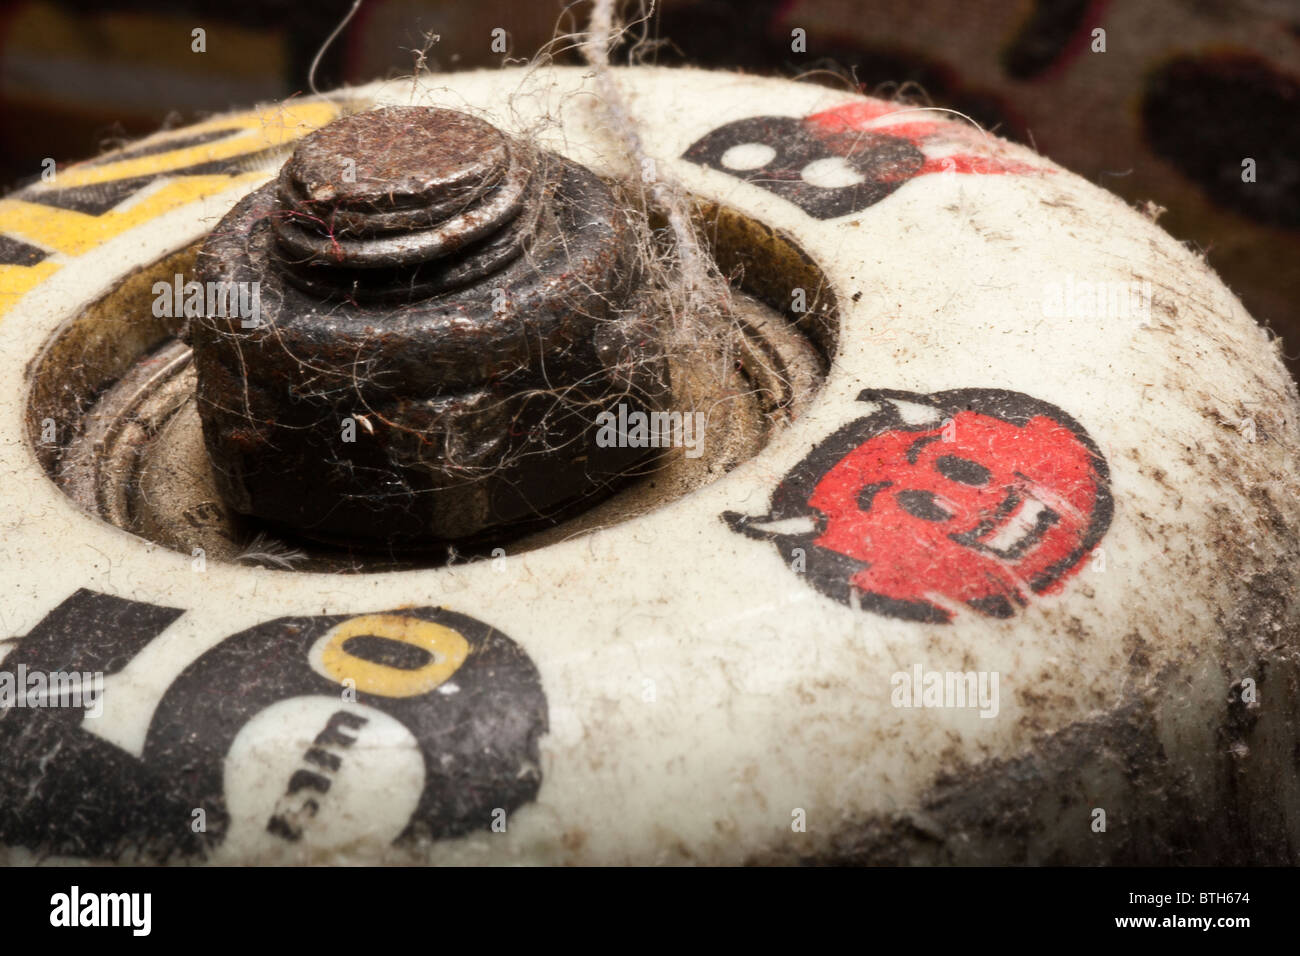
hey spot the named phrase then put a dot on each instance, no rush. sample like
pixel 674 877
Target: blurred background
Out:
pixel 1183 94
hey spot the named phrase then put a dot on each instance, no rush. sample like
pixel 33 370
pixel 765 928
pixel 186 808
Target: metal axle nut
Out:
pixel 444 313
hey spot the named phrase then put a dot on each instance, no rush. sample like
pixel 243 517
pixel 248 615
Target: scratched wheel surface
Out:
pixel 1028 437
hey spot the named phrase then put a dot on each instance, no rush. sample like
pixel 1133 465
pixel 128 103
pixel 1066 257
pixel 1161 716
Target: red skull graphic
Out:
pixel 999 497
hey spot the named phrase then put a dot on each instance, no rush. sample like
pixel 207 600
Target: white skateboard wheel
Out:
pixel 1018 584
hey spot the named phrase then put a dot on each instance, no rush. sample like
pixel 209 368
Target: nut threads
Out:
pixel 366 202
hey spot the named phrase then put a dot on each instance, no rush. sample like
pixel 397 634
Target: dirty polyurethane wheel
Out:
pixel 1007 574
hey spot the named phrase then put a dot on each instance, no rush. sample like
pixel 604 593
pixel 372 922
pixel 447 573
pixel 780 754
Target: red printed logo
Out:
pixel 974 497
pixel 842 160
